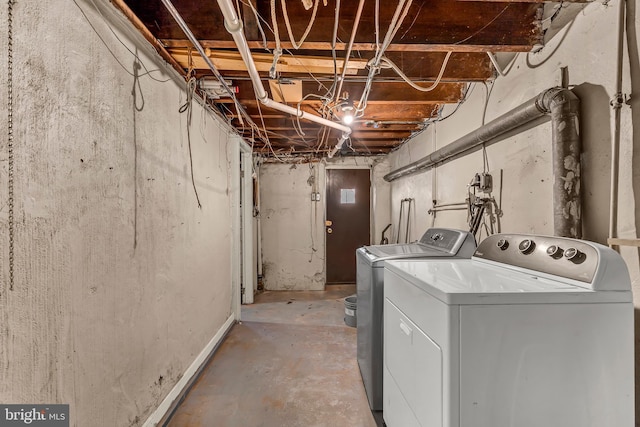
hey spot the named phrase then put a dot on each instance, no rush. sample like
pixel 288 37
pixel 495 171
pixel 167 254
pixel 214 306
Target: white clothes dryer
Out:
pixel 532 331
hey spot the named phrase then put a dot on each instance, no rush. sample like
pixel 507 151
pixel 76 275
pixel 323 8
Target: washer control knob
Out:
pixel 437 237
pixel 503 244
pixel 554 251
pixel 526 246
pixel 572 254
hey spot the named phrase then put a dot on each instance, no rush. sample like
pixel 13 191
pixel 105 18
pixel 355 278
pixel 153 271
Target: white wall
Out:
pixel 120 279
pixel 588 48
pixel 293 232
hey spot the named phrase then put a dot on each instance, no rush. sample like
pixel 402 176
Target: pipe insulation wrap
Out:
pixel 566 149
pixel 563 106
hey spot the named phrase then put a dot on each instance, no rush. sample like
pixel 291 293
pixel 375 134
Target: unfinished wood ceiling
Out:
pixel 308 78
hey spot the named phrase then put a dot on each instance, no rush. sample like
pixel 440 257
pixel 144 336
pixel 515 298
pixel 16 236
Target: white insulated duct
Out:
pixel 234 26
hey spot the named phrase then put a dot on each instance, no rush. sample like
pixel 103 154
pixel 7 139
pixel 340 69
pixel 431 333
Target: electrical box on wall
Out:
pixel 483 181
pixel 315 197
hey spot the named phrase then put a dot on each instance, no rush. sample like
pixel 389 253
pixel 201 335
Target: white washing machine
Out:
pixel 435 243
pixel 533 331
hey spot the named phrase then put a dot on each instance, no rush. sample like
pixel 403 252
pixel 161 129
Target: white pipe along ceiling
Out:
pixel 234 26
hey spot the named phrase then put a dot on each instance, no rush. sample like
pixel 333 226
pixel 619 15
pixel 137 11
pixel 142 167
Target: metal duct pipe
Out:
pixel 234 26
pixel 563 106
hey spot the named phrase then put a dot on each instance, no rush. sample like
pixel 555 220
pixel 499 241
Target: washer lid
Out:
pixel 436 242
pixel 400 251
pixel 473 282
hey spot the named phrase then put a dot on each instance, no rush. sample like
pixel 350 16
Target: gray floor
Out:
pixel 290 362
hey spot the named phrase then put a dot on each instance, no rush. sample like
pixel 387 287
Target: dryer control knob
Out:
pixel 526 246
pixel 554 251
pixel 503 244
pixel 572 254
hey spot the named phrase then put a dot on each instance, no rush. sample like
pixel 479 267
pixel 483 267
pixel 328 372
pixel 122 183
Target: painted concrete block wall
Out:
pixel 293 240
pixel 120 279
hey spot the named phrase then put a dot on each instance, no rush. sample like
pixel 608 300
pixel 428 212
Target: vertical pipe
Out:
pixel 616 103
pixel 566 148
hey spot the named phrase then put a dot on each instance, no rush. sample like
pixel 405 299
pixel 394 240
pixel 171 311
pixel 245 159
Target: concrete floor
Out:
pixel 290 362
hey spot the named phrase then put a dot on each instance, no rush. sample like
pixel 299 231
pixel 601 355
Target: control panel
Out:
pixel 445 239
pixel 559 256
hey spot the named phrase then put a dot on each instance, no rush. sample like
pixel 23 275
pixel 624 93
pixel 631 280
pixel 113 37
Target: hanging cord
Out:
pixel 188 107
pixel 386 62
pixel 374 65
pixel 264 37
pixel 11 159
pixel 135 89
pixel 106 22
pixel 297 45
pixel 277 53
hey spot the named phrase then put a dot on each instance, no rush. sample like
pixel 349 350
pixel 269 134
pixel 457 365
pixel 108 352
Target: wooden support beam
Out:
pixel 226 60
pixel 381 93
pixel 380 135
pixel 362 47
pixel 623 242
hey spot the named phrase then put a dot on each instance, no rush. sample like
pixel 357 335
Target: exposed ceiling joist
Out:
pixel 232 61
pixel 362 47
pixel 394 110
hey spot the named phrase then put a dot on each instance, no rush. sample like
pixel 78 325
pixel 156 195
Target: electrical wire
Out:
pixel 374 65
pixel 296 45
pixel 499 70
pixel 485 26
pixel 394 67
pixel 188 108
pixel 465 96
pixel 277 53
pixel 486 101
pixel 417 14
pixel 274 30
pixel 255 13
pixel 377 25
pixel 531 65
pixel 135 55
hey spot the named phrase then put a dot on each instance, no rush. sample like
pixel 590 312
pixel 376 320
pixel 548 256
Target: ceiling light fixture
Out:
pixel 347 113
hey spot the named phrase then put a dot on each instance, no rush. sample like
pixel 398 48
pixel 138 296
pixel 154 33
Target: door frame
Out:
pixel 242 262
pixel 371 216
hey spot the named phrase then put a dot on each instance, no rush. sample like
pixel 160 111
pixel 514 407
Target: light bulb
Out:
pixel 347 118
